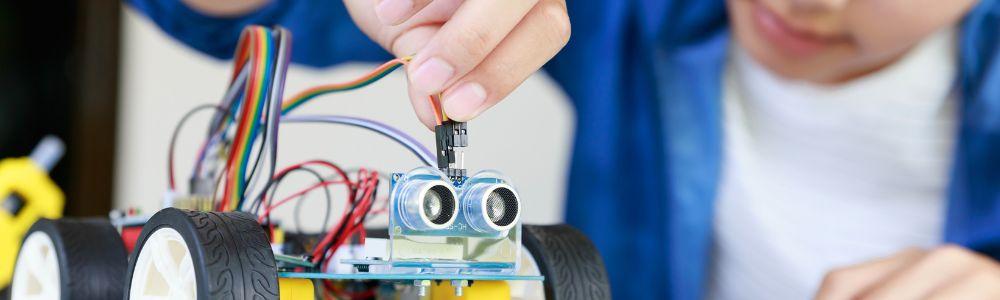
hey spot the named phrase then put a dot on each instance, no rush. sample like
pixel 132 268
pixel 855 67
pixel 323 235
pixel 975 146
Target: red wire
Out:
pixel 239 61
pixel 350 221
pixel 359 215
pixel 244 123
pixel 294 196
pixel 335 168
pixel 343 175
pixel 170 169
pixel 242 54
pixel 345 179
pixel 343 221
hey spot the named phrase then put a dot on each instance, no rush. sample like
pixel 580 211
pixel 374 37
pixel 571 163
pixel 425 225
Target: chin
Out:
pixel 821 66
pixel 797 69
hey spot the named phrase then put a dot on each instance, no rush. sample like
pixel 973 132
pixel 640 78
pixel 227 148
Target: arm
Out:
pixel 324 34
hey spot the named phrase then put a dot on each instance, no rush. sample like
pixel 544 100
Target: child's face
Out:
pixel 830 41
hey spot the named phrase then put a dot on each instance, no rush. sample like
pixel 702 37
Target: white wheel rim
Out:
pixel 164 269
pixel 36 274
pixel 527 289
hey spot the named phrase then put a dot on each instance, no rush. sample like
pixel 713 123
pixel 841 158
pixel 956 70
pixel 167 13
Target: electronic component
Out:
pixel 487 219
pixel 451 135
pixel 427 203
pixel 490 207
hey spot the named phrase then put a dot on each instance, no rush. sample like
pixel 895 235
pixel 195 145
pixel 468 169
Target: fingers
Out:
pixel 422 106
pixel 982 284
pixel 472 33
pixel 407 37
pixel 947 272
pixel 473 51
pixel 410 42
pixel 847 283
pixel 539 36
pixel 394 12
pixel 936 269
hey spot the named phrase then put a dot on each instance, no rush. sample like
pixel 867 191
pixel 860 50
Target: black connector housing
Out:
pixel 451 135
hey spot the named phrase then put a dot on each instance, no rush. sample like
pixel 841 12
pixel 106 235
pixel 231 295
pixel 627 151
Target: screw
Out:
pixel 421 287
pixel 459 284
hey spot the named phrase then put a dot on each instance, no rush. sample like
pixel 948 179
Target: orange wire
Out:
pixel 434 106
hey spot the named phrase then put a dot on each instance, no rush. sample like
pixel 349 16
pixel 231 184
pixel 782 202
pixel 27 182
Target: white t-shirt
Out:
pixel 817 177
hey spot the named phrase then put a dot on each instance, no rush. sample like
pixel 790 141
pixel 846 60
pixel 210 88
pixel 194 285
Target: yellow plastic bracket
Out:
pixel 42 199
pixel 295 289
pixel 480 290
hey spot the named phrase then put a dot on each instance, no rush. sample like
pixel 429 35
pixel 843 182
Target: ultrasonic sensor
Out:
pixel 491 207
pixel 428 204
pixel 439 205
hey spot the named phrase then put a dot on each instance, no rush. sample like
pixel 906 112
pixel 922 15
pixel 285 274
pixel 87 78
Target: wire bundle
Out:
pixel 259 51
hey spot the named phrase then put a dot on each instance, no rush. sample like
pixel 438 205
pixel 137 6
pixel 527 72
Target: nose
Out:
pixel 816 6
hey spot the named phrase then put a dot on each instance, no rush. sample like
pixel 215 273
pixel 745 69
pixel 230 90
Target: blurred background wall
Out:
pixel 527 137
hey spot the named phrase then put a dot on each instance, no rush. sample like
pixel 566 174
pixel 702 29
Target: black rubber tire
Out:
pixel 91 256
pixel 572 267
pixel 231 253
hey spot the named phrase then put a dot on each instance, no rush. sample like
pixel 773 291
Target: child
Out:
pixel 725 149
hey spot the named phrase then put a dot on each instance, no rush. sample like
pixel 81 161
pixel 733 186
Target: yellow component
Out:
pixel 278 236
pixel 295 289
pixel 480 290
pixel 194 202
pixel 42 199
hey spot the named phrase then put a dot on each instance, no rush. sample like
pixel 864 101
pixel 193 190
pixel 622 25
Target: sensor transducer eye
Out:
pixel 502 206
pixel 439 205
pixel 427 204
pixel 491 207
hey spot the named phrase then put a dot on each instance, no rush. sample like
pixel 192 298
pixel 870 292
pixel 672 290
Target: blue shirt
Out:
pixel 645 79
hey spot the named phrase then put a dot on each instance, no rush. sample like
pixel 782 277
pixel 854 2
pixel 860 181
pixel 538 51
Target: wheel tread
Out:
pixel 571 264
pixel 234 251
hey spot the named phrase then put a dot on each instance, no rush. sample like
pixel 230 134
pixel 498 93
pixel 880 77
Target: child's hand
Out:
pixel 475 52
pixel 947 272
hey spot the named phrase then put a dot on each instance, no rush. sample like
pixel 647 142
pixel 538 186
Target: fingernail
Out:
pixel 465 101
pixel 431 76
pixel 393 11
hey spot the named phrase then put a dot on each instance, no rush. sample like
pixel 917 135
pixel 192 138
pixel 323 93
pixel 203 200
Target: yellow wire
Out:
pixel 444 117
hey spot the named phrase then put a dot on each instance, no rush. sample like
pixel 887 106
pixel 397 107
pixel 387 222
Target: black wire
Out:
pixel 341 227
pixel 255 204
pixel 260 156
pixel 329 205
pixel 340 231
pixel 177 129
pixel 272 114
pixel 258 201
pixel 274 189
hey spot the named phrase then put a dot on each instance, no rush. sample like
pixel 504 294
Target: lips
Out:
pixel 785 38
